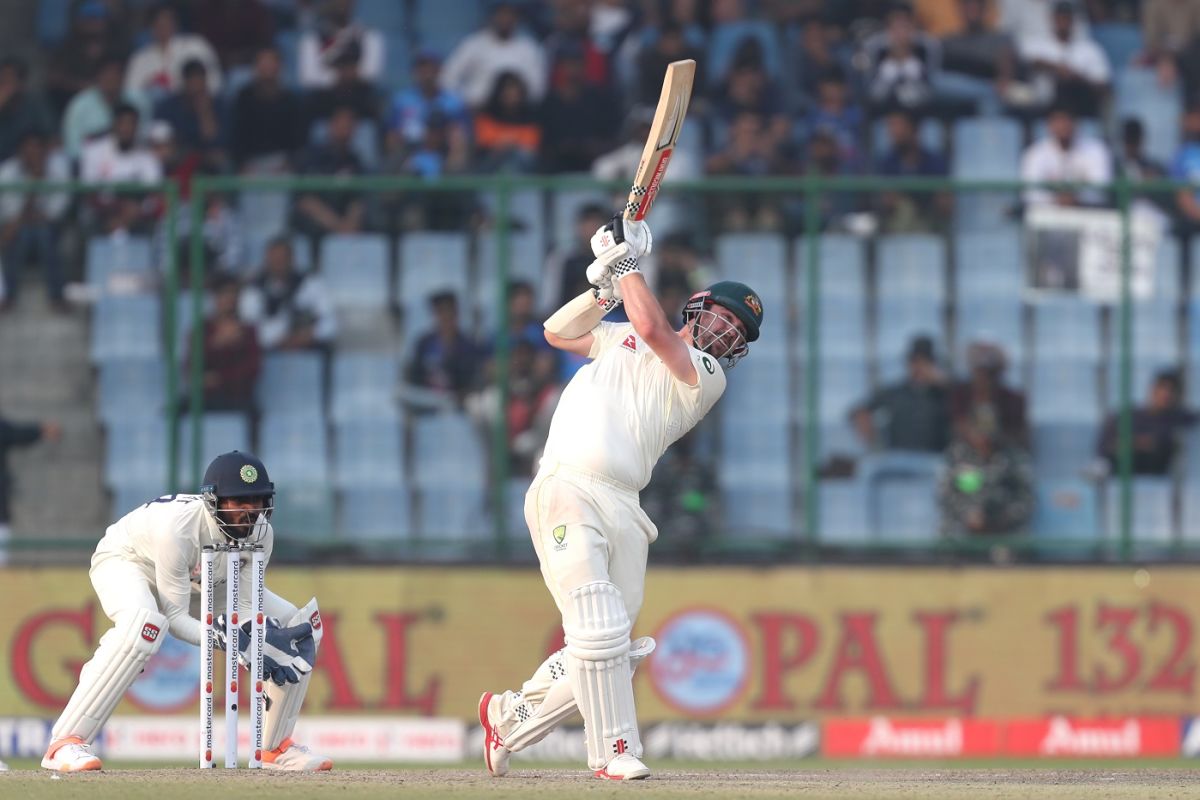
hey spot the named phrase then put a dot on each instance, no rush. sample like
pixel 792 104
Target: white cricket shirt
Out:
pixel 163 538
pixel 619 414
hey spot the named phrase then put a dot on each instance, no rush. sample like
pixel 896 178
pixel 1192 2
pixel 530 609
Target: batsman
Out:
pixel 646 386
pixel 145 571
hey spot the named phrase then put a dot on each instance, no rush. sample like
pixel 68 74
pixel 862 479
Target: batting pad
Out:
pixel 284 702
pixel 597 629
pixel 547 699
pixel 123 652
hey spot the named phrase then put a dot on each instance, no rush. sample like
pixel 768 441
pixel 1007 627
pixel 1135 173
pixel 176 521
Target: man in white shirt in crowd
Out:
pixel 157 68
pixel 292 311
pixel 336 32
pixel 1068 65
pixel 29 222
pixel 120 157
pixel 473 66
pixel 1064 155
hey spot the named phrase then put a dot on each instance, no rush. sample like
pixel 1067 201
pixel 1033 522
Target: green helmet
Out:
pixel 733 295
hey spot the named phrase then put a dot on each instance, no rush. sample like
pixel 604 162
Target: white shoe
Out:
pixel 625 767
pixel 295 758
pixel 3 767
pixel 71 755
pixel 495 754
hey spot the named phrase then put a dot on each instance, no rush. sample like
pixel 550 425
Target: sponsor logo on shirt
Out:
pixel 630 343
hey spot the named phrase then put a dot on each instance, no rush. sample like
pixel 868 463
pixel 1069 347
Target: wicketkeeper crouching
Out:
pixel 144 571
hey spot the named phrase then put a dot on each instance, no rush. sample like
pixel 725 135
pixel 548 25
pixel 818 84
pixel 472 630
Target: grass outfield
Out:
pixel 812 778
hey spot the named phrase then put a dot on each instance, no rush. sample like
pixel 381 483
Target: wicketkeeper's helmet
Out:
pixel 738 298
pixel 238 474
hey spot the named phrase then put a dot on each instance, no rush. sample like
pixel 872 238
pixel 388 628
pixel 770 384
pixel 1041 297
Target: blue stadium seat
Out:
pixel 898 319
pixel 1138 93
pixel 429 263
pixel 996 320
pixel 843 517
pixel 111 259
pixel 518 531
pixel 1153 519
pixel 911 265
pixel 1190 525
pixel 1066 329
pixel 1155 332
pixel 762 507
pixel 843 331
pixel 53 21
pixel 302 514
pixel 842 384
pixel 1119 41
pixel 386 15
pixel 368 453
pixel 843 268
pixel 525 264
pixel 1064 391
pixel 1062 450
pixel 130 387
pixel 757 259
pixel 1189 487
pixel 1168 285
pixel 759 387
pixel 375 515
pixel 357 271
pixel 263 214
pixel 442 25
pixel 125 327
pixel 1066 509
pixel 754 451
pixel 256 247
pixel 364 387
pixel 987 148
pixel 296 449
pixel 838 439
pixel 292 384
pixel 451 513
pixel 902 495
pixel 989 265
pixel 447 450
pixel 220 432
pixel 136 453
pixel 565 205
pixel 397 61
pixel 526 214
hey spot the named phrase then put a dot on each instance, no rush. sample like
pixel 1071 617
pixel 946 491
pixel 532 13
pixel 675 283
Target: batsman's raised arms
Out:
pixel 664 133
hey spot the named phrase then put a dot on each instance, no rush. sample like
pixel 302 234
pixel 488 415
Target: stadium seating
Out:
pixel 368 453
pixel 136 454
pixel 125 327
pixel 130 387
pixel 989 265
pixel 1152 519
pixel 898 319
pixel 1138 93
pixel 759 260
pixel 1063 450
pixel 902 495
pixel 997 320
pixel 296 448
pixel 220 432
pixel 374 515
pixel 759 508
pixel 302 514
pixel 843 268
pixel 1064 391
pixel 843 513
pixel 357 270
pixel 911 265
pixel 525 264
pixel 431 263
pixel 1066 509
pixel 292 384
pixel 1066 329
pixel 364 387
pixel 113 259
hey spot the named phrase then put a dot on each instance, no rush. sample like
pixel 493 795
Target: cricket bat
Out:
pixel 664 132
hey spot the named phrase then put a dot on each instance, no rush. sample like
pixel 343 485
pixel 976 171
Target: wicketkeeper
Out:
pixel 145 570
pixel 646 386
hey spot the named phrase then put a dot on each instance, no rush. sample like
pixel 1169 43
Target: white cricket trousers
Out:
pixel 587 528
